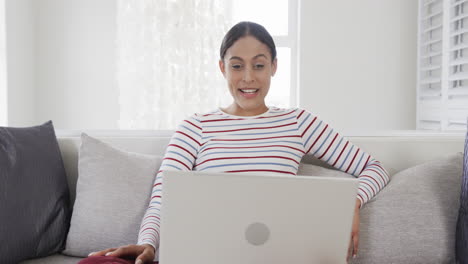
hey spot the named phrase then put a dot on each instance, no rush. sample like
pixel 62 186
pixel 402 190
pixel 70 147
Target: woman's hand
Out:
pixel 354 243
pixel 143 253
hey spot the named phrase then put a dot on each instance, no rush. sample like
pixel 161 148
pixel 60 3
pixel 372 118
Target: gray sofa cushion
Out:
pixel 34 196
pixel 413 219
pixel 54 259
pixel 112 194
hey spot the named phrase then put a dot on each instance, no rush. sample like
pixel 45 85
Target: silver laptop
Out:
pixel 213 218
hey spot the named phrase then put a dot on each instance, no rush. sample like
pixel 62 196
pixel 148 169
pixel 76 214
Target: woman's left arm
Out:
pixel 326 144
pixel 322 141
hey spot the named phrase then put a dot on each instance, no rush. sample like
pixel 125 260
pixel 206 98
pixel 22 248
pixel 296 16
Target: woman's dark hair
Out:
pixel 246 28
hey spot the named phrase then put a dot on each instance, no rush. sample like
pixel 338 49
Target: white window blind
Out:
pixel 442 94
pixel 457 90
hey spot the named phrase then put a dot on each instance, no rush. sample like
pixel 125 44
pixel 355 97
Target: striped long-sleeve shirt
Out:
pixel 273 142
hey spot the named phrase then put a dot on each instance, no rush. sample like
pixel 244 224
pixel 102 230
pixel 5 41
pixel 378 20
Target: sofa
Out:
pixel 410 221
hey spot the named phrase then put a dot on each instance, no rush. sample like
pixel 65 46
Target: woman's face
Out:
pixel 248 68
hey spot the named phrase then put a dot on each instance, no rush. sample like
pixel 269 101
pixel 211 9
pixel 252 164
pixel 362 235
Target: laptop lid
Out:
pixel 228 218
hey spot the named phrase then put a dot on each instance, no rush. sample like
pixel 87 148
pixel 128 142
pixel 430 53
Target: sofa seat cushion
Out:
pixel 54 259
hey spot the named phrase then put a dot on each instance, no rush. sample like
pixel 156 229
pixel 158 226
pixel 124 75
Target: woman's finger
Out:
pixel 350 248
pixel 125 251
pixel 146 257
pixel 355 244
pixel 102 252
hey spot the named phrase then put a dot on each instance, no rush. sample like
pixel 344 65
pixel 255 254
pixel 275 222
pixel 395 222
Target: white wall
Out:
pixel 358 63
pixel 76 63
pixel 20 39
pixel 3 73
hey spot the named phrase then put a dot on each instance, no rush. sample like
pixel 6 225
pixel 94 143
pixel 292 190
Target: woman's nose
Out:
pixel 248 75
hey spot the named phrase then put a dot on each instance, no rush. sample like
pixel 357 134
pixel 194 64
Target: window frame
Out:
pixel 292 41
pixel 3 67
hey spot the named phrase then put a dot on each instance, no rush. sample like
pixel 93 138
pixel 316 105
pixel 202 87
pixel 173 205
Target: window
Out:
pixel 442 102
pixel 167 66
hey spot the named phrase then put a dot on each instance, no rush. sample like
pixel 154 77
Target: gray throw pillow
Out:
pixel 413 219
pixel 34 195
pixel 112 194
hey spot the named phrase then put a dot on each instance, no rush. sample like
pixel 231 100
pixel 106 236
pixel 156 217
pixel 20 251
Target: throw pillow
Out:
pixel 112 194
pixel 462 224
pixel 34 195
pixel 413 219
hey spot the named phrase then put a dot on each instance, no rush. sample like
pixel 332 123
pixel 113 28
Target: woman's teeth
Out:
pixel 248 90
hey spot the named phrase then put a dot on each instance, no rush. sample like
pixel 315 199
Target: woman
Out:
pixel 248 136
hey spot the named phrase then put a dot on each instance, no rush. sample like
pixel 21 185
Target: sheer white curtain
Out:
pixel 167 66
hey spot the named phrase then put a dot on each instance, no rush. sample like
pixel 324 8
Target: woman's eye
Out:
pixel 259 66
pixel 236 66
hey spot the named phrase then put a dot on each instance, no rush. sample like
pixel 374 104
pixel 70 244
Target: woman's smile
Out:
pixel 248 92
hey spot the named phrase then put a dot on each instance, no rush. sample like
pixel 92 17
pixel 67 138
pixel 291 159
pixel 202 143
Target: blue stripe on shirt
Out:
pixel 249 152
pixel 346 158
pixel 334 151
pixel 252 124
pixel 256 163
pixel 313 132
pixel 323 143
pixel 357 165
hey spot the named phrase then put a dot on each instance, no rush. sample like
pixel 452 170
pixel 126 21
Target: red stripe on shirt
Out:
pixel 232 119
pixel 303 133
pixel 351 163
pixel 378 165
pixel 316 140
pixel 255 157
pixel 365 164
pixel 263 117
pixel 188 168
pixel 341 153
pixel 249 139
pixel 372 188
pixel 329 146
pixel 177 146
pixel 361 197
pixel 252 128
pixel 151 216
pixel 287 172
pixel 180 132
pixel 378 173
pixel 256 147
pixel 300 114
pixel 367 176
pixel 193 124
pixel 365 193
pixel 149 228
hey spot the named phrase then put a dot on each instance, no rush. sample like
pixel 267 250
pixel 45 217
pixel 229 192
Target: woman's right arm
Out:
pixel 180 155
